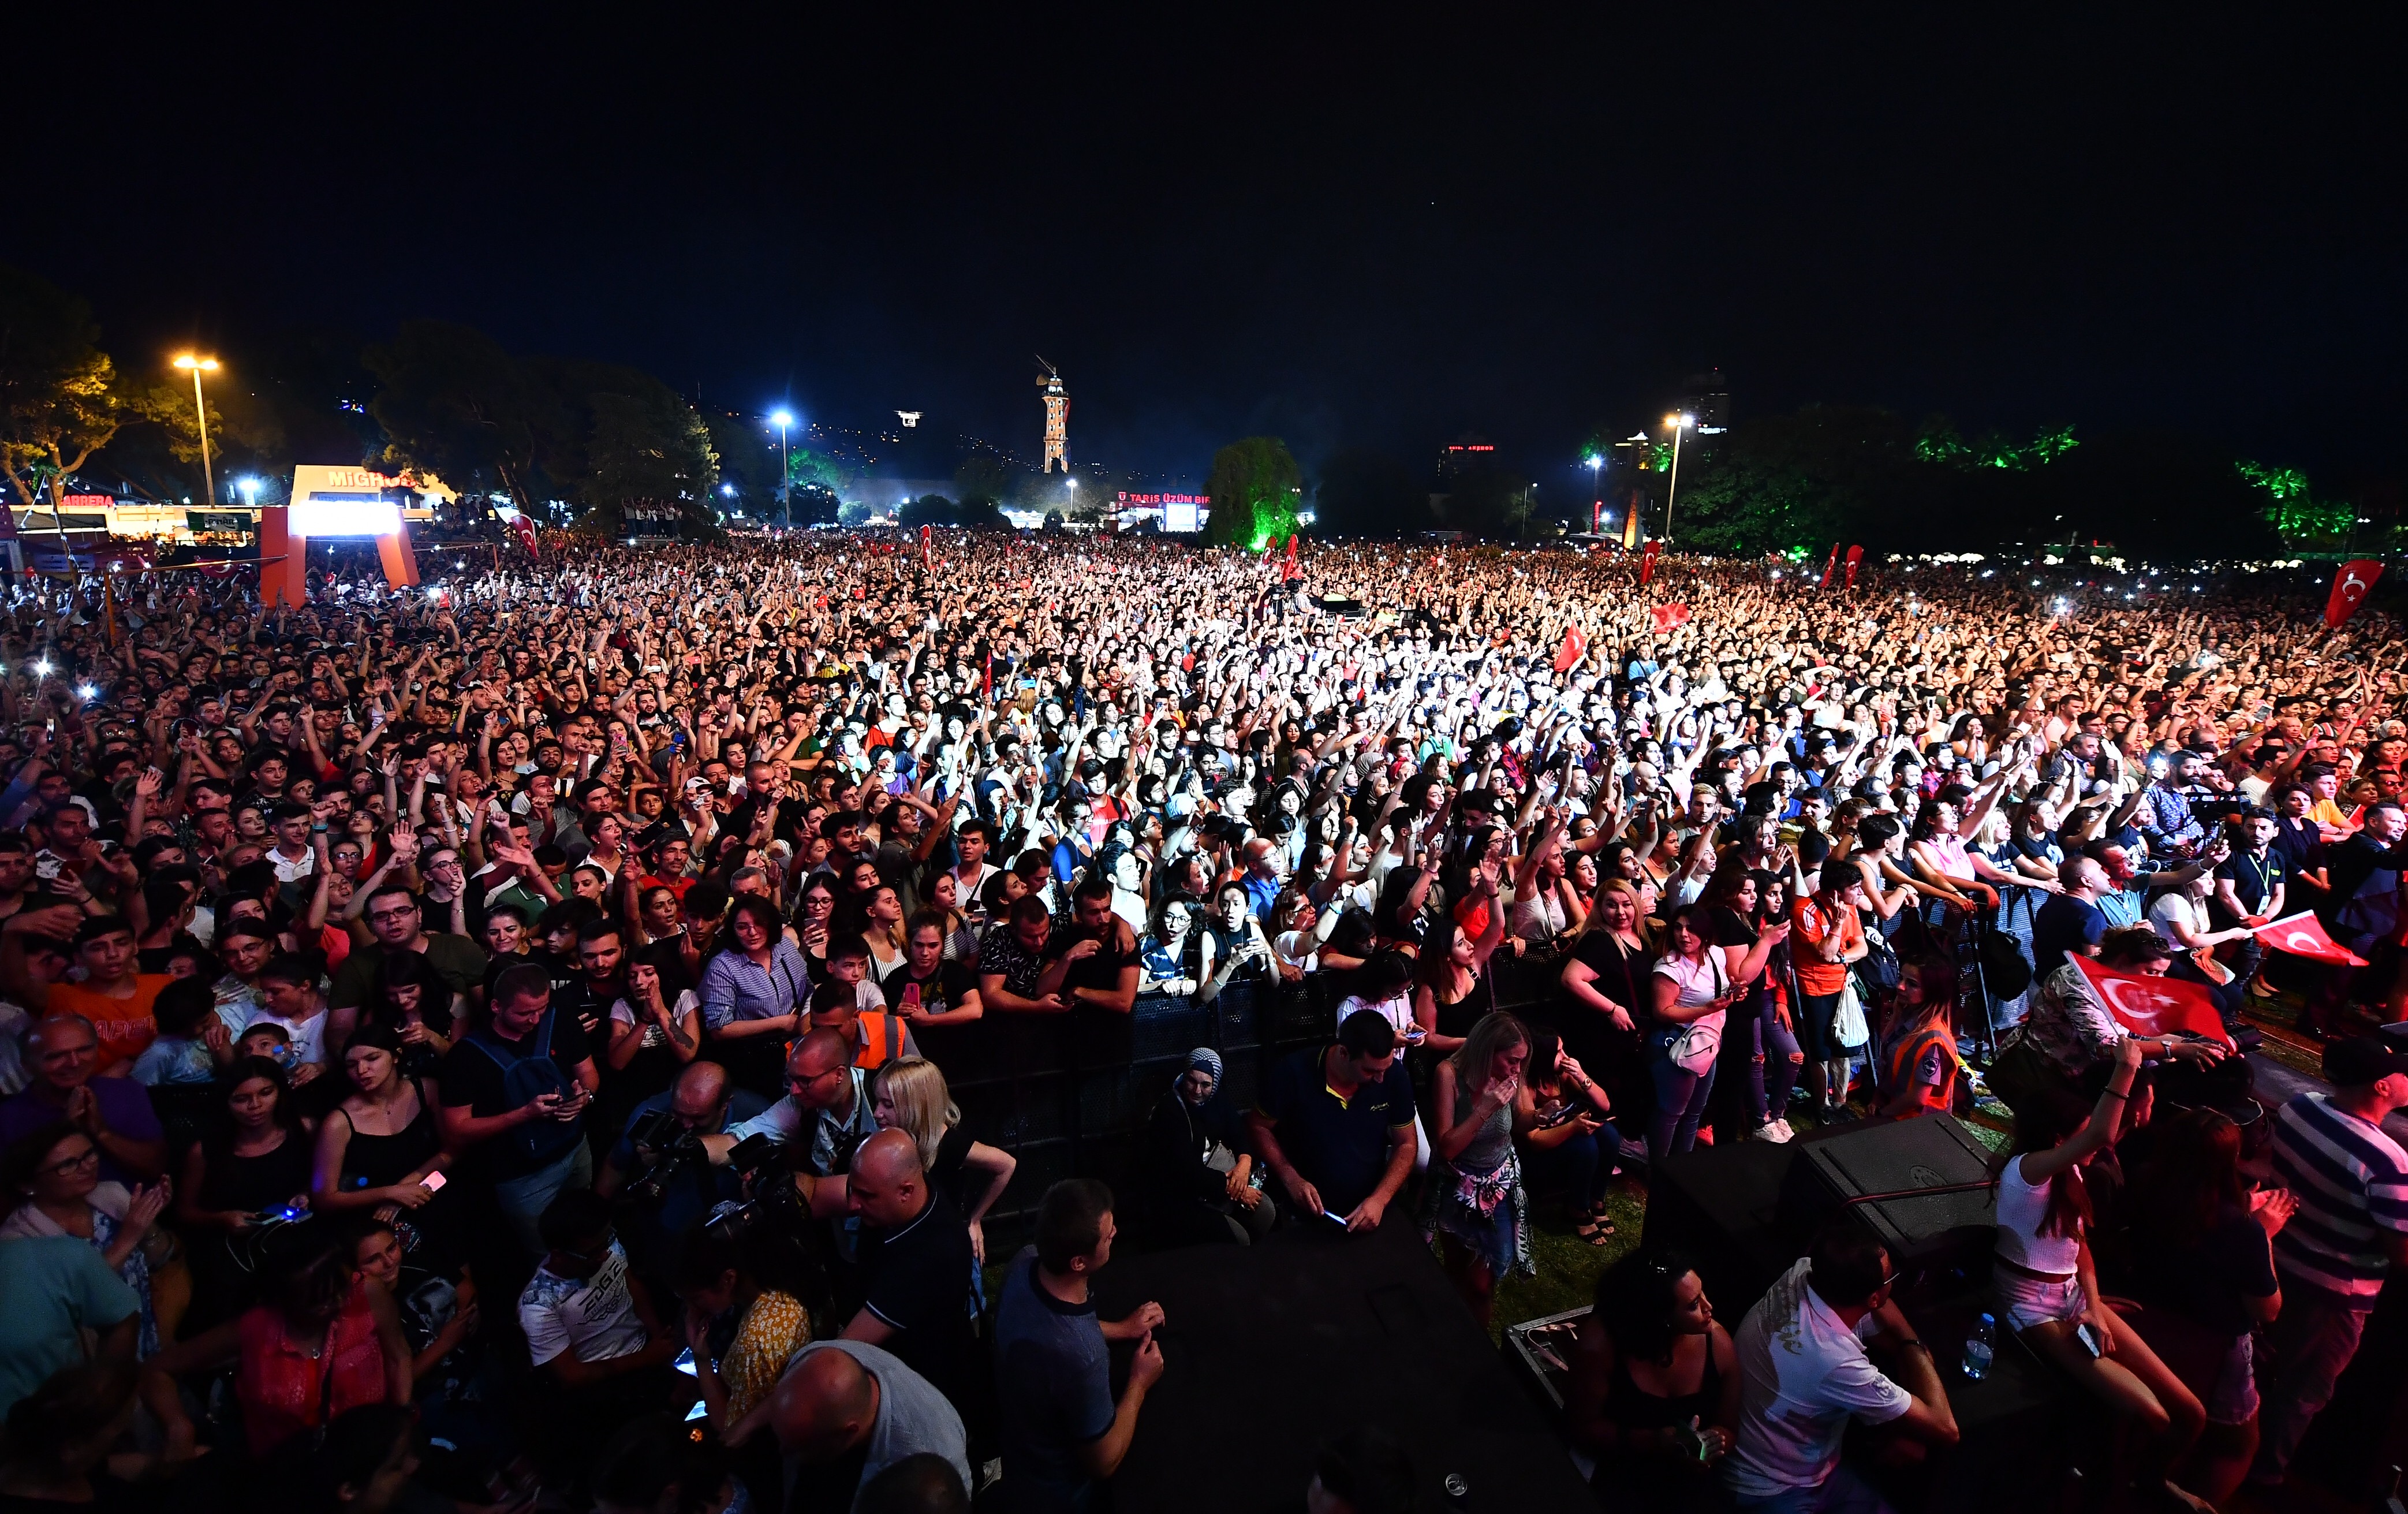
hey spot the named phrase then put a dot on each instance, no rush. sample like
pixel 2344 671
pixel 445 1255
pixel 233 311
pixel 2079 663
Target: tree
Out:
pixel 640 441
pixel 1254 489
pixel 928 510
pixel 747 459
pixel 238 421
pixel 1369 494
pixel 57 407
pixel 982 476
pixel 453 403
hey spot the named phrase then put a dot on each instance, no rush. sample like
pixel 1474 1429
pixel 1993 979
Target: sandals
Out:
pixel 1596 1230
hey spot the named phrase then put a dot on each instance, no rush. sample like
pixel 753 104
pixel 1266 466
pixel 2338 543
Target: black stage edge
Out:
pixel 1268 1348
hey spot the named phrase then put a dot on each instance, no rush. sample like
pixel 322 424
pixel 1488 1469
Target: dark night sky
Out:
pixel 1374 230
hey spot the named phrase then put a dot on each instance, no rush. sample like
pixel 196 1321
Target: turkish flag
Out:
pixel 1855 556
pixel 2154 1006
pixel 1647 562
pixel 2303 935
pixel 1574 648
pixel 1831 563
pixel 525 529
pixel 2351 584
pixel 928 550
pixel 1665 617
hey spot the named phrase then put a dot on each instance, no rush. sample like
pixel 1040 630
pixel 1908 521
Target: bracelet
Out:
pixel 1916 1344
pixel 2116 1093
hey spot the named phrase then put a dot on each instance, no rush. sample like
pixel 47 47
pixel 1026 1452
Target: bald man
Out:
pixel 702 1102
pixel 826 1111
pixel 846 1411
pixel 916 1258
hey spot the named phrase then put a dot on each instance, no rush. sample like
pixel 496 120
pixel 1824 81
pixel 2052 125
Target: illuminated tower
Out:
pixel 1057 418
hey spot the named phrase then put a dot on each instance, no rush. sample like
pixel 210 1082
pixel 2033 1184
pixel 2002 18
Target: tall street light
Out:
pixel 1676 424
pixel 781 420
pixel 201 415
pixel 1596 494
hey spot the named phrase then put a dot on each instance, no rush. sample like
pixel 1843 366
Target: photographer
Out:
pixel 661 1159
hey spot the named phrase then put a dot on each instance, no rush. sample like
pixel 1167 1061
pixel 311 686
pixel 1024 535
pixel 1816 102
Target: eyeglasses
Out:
pixel 402 914
pixel 91 1158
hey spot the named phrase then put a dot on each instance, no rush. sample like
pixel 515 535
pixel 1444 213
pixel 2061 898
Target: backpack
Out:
pixel 538 1142
pixel 2005 970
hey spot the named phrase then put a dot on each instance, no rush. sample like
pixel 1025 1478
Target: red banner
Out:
pixel 2352 581
pixel 2154 1006
pixel 1855 556
pixel 1829 566
pixel 1665 617
pixel 1574 648
pixel 2303 935
pixel 928 548
pixel 1647 562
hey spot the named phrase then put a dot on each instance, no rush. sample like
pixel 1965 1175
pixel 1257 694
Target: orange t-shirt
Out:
pixel 126 1027
pixel 1816 925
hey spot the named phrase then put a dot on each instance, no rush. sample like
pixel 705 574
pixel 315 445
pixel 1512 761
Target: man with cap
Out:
pixel 2349 1178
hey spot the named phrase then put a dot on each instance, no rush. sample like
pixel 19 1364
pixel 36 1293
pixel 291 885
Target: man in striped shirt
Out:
pixel 2352 1226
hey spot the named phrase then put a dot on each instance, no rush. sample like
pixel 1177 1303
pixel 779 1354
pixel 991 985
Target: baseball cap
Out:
pixel 2361 1059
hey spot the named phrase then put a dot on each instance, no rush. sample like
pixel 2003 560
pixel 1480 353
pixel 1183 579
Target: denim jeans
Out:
pixel 1577 1169
pixel 1680 1096
pixel 524 1200
pixel 2313 1340
pixel 1842 1492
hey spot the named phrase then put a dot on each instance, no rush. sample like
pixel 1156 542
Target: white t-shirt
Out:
pixel 2172 907
pixel 594 1316
pixel 1397 1012
pixel 1803 1375
pixel 685 1003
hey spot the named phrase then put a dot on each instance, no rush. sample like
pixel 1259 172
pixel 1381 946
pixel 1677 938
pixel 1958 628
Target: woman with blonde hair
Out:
pixel 1476 1208
pixel 910 1094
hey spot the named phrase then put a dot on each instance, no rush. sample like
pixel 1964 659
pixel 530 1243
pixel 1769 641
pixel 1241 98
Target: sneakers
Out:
pixel 1775 1131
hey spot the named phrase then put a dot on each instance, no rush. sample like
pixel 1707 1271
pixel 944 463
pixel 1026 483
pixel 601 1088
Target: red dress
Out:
pixel 283 1390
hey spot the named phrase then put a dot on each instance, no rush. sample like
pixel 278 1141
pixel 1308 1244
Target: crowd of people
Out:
pixel 491 1042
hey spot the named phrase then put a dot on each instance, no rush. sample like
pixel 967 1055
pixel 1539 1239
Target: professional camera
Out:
pixel 775 1204
pixel 672 1149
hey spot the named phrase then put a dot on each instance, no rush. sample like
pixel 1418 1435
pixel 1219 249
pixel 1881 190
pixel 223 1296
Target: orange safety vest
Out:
pixel 1907 1053
pixel 882 1039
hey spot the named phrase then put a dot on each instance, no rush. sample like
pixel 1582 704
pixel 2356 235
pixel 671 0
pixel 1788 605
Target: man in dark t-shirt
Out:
pixel 1336 1124
pixel 530 1145
pixel 1094 958
pixel 916 1256
pixel 2071 921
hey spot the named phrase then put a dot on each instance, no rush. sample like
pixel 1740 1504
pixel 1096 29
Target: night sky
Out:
pixel 1376 230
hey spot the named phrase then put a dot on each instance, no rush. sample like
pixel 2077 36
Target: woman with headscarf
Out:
pixel 1197 1187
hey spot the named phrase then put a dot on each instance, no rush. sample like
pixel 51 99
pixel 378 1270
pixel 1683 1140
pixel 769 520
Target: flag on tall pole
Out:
pixel 1647 561
pixel 1833 563
pixel 1855 556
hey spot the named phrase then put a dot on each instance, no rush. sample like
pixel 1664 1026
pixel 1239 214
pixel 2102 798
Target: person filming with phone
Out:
pixel 515 1093
pixel 1336 1125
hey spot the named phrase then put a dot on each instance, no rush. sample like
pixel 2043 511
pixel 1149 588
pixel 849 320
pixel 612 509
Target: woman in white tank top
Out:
pixel 2048 1285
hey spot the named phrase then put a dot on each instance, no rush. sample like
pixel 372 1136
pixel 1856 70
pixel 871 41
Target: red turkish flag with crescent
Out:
pixel 1828 565
pixel 928 548
pixel 1855 556
pixel 525 529
pixel 2154 1006
pixel 1574 648
pixel 2352 583
pixel 1665 617
pixel 2303 935
pixel 1647 562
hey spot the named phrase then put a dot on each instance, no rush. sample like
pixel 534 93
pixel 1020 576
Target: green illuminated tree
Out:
pixel 57 404
pixel 1255 489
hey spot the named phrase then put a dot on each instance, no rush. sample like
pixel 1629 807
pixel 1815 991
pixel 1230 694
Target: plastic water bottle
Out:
pixel 1979 1347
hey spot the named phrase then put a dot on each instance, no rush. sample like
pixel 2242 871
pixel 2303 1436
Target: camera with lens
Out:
pixel 673 1150
pixel 775 1204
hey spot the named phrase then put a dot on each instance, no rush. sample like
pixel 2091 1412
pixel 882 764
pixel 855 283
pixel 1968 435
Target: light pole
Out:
pixel 781 420
pixel 1072 506
pixel 1597 495
pixel 1678 424
pixel 201 417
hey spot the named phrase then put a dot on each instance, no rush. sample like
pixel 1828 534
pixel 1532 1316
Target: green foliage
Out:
pixel 1940 443
pixel 57 404
pixel 983 476
pixel 1254 489
pixel 453 403
pixel 2296 517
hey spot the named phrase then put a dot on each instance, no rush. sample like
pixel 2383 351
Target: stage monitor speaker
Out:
pixel 1924 1185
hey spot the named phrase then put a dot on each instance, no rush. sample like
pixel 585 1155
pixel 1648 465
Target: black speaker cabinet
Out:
pixel 1924 1185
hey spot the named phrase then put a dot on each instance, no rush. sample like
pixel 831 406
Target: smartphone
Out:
pixel 1336 1220
pixel 1562 1117
pixel 2088 1338
pixel 684 1361
pixel 433 1182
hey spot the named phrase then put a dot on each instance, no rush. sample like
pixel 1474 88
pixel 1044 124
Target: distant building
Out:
pixel 1707 397
pixel 1464 455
